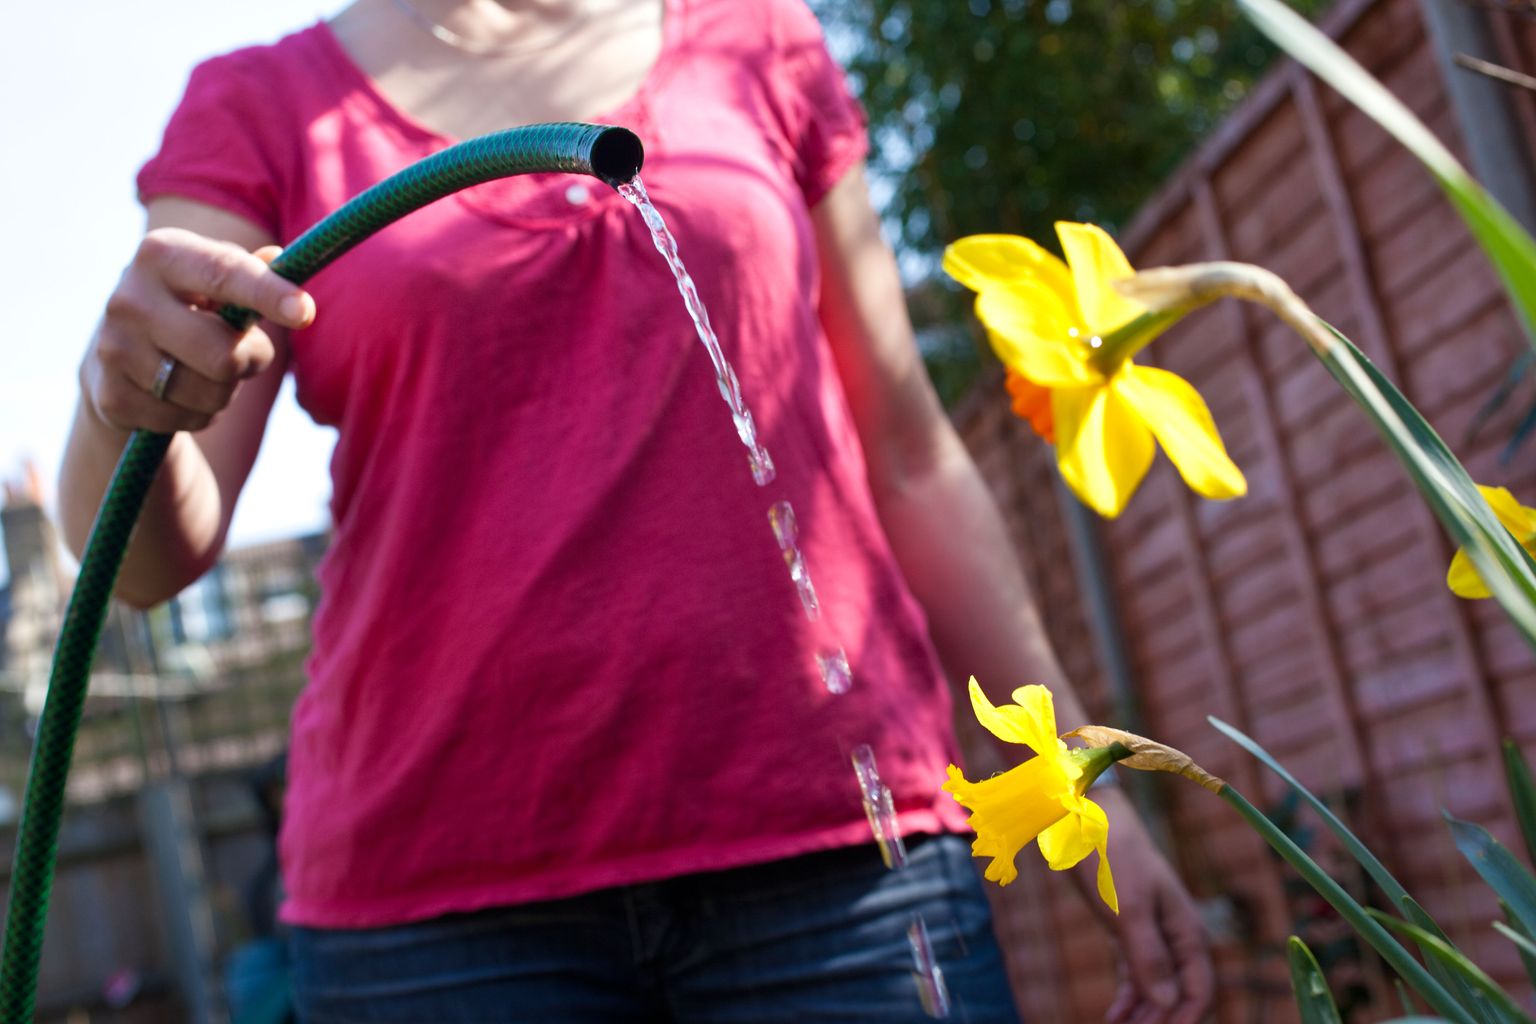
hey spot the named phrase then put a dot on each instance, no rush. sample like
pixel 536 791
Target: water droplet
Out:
pixel 577 194
pixel 926 971
pixel 1095 341
pixel 761 465
pixel 1073 332
pixel 835 672
pixel 782 518
pixel 879 807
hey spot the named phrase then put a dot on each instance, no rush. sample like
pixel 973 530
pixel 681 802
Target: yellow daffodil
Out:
pixel 1063 327
pixel 1041 798
pixel 1518 519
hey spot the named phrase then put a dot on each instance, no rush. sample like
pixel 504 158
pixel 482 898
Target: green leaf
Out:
pixel 1311 987
pixel 1509 247
pixel 1522 793
pixel 1362 853
pixel 1523 942
pixel 1503 564
pixel 1456 961
pixel 1465 994
pixel 1500 869
pixel 1392 951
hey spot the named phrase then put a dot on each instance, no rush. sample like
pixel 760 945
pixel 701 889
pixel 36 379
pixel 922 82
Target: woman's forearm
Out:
pixel 179 532
pixel 955 551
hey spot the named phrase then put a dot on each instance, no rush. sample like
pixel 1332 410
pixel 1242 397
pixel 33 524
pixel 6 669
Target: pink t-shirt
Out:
pixel 558 648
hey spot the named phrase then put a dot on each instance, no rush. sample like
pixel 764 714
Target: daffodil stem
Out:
pixel 1178 290
pixel 1124 342
pixel 1380 939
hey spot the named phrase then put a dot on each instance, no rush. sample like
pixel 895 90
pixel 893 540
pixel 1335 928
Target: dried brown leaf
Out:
pixel 1148 755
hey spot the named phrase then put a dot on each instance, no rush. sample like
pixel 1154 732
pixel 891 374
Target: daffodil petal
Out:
pixel 1074 837
pixel 1517 519
pixel 1010 810
pixel 982 261
pixel 1095 261
pixel 1033 725
pixel 1038 708
pixel 1179 418
pixel 1102 446
pixel 1106 880
pixel 1028 324
pixel 1463 578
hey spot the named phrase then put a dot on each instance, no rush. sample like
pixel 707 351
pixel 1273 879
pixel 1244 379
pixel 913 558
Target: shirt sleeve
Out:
pixel 828 125
pixel 217 146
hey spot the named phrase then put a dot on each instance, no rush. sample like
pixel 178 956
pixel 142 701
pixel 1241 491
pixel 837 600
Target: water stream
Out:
pixel 725 376
pixel 831 659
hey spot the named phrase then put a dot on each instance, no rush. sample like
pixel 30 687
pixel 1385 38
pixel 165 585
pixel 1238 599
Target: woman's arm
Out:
pixel 194 259
pixel 955 552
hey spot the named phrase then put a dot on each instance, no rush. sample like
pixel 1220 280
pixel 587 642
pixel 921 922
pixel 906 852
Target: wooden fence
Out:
pixel 1312 613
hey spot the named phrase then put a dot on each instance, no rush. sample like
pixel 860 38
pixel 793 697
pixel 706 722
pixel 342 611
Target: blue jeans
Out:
pixel 822 937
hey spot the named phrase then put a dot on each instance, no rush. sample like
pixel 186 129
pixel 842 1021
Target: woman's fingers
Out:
pixel 195 268
pixel 160 311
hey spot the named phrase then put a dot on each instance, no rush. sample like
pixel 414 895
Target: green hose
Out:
pixel 611 154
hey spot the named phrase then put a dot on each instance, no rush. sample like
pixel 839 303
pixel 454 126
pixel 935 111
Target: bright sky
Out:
pixel 81 107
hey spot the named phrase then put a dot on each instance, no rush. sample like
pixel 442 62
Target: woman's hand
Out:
pixel 164 308
pixel 161 327
pixel 1165 964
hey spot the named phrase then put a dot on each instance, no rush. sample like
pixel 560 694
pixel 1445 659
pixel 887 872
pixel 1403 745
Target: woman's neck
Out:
pixel 502 27
pixel 494 65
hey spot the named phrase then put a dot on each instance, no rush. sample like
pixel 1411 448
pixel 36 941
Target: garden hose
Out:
pixel 611 154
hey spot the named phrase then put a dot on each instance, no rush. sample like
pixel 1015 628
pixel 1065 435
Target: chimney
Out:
pixel 31 547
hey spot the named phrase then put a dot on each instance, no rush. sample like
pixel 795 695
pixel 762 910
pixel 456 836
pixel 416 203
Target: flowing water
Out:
pixel 831 660
pixel 725 377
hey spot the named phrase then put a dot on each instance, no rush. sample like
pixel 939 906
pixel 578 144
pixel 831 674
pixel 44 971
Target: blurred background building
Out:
pixel 163 834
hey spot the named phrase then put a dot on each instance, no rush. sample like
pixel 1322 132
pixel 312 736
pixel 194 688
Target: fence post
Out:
pixel 175 858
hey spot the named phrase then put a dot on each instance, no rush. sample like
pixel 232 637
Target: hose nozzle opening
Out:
pixel 617 156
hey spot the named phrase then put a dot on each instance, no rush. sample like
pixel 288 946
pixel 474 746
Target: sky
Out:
pixel 81 108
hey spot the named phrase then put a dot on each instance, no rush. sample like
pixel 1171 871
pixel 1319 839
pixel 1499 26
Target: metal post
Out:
pixel 1484 107
pixel 176 863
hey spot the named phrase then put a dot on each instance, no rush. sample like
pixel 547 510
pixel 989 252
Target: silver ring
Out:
pixel 162 378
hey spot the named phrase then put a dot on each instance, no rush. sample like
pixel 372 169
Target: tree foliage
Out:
pixel 1008 115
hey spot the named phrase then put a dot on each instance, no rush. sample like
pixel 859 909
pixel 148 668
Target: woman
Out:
pixel 564 753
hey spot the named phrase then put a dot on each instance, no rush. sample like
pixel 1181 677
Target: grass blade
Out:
pixel 1503 564
pixel 1456 961
pixel 1523 942
pixel 1362 853
pixel 1499 869
pixel 1312 996
pixel 1464 992
pixel 1403 996
pixel 1392 951
pixel 1522 793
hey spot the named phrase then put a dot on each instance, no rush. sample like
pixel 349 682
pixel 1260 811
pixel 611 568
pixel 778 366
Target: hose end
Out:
pixel 617 156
